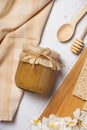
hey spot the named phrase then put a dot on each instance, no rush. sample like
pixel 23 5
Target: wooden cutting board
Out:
pixel 63 102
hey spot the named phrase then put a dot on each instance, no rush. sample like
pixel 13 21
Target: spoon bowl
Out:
pixel 65 32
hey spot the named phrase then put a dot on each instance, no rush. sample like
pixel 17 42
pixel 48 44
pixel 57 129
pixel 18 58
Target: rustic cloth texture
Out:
pixel 43 56
pixel 21 21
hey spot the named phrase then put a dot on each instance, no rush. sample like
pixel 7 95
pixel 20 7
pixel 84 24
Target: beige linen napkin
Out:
pixel 21 21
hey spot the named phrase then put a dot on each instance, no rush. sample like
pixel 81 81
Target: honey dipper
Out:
pixel 78 44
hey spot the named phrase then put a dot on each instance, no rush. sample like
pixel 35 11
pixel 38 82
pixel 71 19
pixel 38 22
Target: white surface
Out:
pixel 33 104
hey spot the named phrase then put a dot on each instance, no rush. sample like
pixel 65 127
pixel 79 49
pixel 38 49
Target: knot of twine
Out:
pixel 44 53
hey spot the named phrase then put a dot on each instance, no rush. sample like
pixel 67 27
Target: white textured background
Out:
pixel 33 104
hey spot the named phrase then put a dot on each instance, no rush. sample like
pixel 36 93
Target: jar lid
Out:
pixel 37 55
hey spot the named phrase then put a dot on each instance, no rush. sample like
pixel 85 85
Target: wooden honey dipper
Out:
pixel 78 44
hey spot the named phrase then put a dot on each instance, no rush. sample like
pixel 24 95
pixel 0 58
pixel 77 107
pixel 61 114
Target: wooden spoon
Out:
pixel 66 31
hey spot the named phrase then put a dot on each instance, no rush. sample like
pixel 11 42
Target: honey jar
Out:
pixel 36 69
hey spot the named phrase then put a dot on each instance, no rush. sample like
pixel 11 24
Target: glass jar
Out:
pixel 36 69
pixel 37 79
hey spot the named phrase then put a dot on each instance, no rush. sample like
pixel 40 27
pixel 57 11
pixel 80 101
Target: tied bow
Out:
pixel 43 54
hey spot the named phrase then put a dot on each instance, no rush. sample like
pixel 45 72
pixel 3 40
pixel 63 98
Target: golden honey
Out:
pixel 36 69
pixel 36 79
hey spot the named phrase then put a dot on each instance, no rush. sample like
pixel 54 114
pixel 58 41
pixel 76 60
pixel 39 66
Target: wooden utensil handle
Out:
pixel 83 33
pixel 80 15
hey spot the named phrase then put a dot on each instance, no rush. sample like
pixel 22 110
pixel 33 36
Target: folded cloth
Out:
pixel 21 21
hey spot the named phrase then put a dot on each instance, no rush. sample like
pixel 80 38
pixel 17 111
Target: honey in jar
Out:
pixel 36 69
